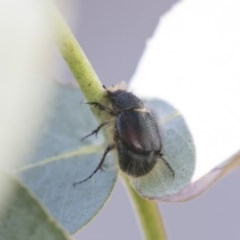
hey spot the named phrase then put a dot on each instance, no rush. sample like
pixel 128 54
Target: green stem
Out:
pixel 93 91
pixel 78 63
pixel 149 215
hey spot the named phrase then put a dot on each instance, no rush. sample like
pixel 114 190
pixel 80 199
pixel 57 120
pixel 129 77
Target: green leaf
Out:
pixel 178 150
pixel 22 217
pixel 204 183
pixel 61 159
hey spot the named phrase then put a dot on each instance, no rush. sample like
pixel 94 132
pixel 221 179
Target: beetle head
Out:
pixel 122 100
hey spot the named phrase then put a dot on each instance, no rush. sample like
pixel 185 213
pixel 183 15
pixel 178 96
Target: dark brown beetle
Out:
pixel 136 135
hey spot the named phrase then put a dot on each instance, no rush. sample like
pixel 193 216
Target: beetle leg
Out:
pixel 102 107
pixel 95 131
pixel 107 150
pixel 168 165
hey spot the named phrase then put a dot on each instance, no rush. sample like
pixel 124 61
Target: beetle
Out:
pixel 136 135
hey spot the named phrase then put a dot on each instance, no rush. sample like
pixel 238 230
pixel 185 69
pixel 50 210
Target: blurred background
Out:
pixel 113 35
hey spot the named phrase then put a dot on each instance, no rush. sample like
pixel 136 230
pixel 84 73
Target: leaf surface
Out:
pixel 22 217
pixel 61 159
pixel 178 151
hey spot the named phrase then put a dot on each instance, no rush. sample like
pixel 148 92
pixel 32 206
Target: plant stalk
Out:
pixel 91 87
pixel 148 215
pixel 78 63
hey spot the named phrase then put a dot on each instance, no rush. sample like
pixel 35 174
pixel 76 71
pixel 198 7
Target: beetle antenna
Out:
pixel 107 150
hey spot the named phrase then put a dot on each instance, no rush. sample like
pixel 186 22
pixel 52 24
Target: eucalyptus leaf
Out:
pixel 61 159
pixel 22 217
pixel 196 188
pixel 178 150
